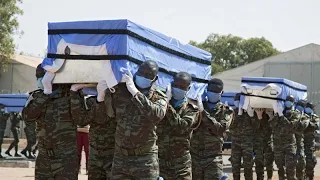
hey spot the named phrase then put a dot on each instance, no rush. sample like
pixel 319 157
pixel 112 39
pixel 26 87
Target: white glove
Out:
pixel 130 84
pixel 169 92
pixel 127 72
pixel 270 113
pixel 77 87
pixel 259 113
pixel 101 89
pixel 200 104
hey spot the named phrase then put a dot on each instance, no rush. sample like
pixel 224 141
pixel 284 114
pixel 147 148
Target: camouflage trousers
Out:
pixel 264 158
pixel 285 156
pixel 141 167
pixel 31 134
pixel 300 156
pixel 100 163
pixel 311 160
pixel 15 132
pixel 178 168
pixel 207 168
pixel 60 166
pixel 3 125
pixel 242 150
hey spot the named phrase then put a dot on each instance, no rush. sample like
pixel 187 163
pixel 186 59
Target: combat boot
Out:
pixel 269 174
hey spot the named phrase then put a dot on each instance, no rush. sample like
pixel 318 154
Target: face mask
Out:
pixel 308 110
pixel 143 82
pixel 178 94
pixel 288 104
pixel 213 97
pixel 39 83
pixel 236 103
pixel 299 108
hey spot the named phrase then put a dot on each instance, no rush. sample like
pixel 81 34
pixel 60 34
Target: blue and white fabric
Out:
pixel 228 98
pixel 124 44
pixel 13 102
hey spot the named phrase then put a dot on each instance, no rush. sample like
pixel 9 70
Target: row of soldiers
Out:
pixel 125 123
pixel 288 138
pixel 15 119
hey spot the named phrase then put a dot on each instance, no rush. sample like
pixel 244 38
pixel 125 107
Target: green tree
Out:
pixel 9 25
pixel 233 51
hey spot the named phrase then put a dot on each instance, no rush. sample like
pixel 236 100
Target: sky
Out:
pixel 288 24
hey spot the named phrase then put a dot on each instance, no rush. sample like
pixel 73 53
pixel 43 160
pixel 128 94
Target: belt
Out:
pixel 135 152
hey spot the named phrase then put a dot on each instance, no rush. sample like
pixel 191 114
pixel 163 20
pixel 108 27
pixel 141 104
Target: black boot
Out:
pixel 8 153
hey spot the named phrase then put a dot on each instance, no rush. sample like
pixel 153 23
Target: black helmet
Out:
pixel 290 98
pixel 302 103
pixel 310 105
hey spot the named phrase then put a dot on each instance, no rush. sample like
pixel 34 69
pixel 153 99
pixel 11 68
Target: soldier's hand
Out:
pixel 200 104
pixel 270 113
pixel 169 92
pixel 259 112
pixel 101 89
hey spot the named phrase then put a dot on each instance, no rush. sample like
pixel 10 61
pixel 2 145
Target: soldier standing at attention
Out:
pixel 3 124
pixel 59 115
pixel 139 109
pixel 301 157
pixel 207 140
pixel 15 129
pixel 242 135
pixel 309 140
pixel 263 146
pixel 284 141
pixel 175 130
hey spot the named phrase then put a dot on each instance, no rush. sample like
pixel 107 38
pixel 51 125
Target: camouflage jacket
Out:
pixel 57 118
pixel 304 120
pixel 15 120
pixel 313 125
pixel 243 126
pixel 175 130
pixel 263 132
pixel 283 127
pixel 4 116
pixel 101 133
pixel 137 117
pixel 207 139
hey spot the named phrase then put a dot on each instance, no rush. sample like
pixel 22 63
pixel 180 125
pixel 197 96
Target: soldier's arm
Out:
pixel 184 122
pixel 79 114
pixel 216 127
pixel 36 106
pixel 156 109
pixel 292 123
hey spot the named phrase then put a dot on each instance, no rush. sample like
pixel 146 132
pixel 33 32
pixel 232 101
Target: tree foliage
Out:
pixel 233 51
pixel 9 25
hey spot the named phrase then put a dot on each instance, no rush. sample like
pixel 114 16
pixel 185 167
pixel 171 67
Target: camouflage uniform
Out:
pixel 136 152
pixel 284 142
pixel 174 133
pixel 309 145
pixel 101 141
pixel 301 158
pixel 263 148
pixel 15 129
pixel 242 134
pixel 207 142
pixel 58 116
pixel 3 124
pixel 31 135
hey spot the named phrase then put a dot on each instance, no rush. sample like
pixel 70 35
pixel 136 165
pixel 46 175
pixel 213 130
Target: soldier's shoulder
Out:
pixel 193 104
pixel 160 92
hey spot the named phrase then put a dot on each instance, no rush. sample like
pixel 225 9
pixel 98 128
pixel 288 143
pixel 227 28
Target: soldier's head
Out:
pixel 214 90
pixel 237 99
pixel 309 108
pixel 180 85
pixel 301 104
pixel 289 102
pixel 39 75
pixel 147 74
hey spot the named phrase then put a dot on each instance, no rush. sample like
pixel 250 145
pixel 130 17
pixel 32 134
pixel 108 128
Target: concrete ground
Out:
pixel 14 173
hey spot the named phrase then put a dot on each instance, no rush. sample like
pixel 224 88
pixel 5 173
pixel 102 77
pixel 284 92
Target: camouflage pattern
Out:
pixel 263 148
pixel 309 145
pixel 174 133
pixel 101 141
pixel 136 152
pixel 59 116
pixel 207 142
pixel 242 131
pixel 3 124
pixel 301 158
pixel 284 142
pixel 31 136
pixel 15 129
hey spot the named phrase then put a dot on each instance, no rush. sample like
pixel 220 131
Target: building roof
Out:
pixel 232 77
pixel 27 60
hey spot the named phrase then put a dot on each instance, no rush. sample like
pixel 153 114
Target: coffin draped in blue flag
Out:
pixel 228 98
pixel 13 102
pixel 267 92
pixel 90 51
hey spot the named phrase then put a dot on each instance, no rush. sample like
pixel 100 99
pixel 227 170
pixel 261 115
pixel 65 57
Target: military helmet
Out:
pixel 302 103
pixel 310 105
pixel 290 98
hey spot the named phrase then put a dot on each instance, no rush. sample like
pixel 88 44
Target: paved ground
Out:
pixel 28 173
